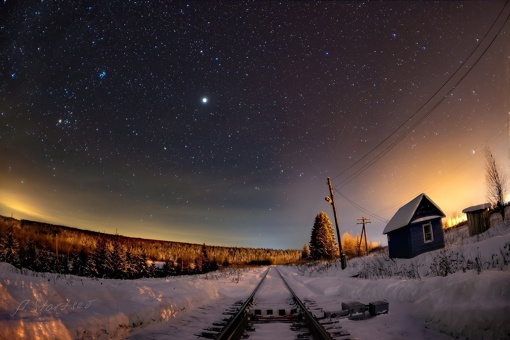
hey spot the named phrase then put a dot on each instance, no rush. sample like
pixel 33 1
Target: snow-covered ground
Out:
pixel 466 304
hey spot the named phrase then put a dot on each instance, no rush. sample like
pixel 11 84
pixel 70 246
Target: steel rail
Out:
pixel 312 324
pixel 236 326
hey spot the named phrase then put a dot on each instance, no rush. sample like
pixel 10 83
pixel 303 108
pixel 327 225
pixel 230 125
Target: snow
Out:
pixel 403 216
pixel 477 207
pixel 465 304
pixel 277 330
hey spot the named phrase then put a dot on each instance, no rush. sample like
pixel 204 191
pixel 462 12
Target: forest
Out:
pixel 43 247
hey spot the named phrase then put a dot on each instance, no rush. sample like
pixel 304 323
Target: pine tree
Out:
pixel 81 264
pixel 63 264
pixel 101 259
pixel 130 270
pixel 168 268
pixel 202 262
pixel 322 242
pixel 9 251
pixel 142 266
pixel 45 258
pixel 28 255
pixel 117 259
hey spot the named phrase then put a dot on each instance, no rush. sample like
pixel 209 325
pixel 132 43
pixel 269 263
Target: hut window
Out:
pixel 428 236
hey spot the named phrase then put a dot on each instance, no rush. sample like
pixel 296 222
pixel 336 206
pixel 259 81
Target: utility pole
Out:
pixel 331 200
pixel 363 231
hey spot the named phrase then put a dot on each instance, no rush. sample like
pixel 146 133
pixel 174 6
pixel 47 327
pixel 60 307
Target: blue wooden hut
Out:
pixel 416 228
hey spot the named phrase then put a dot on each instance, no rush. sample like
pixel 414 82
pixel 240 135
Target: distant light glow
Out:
pixel 204 100
pixel 453 221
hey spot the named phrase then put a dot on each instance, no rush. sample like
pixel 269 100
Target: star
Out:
pixel 293 103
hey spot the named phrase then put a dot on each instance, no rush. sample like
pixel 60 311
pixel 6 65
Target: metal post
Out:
pixel 331 200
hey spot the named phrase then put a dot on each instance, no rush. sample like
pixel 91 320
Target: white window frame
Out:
pixel 424 226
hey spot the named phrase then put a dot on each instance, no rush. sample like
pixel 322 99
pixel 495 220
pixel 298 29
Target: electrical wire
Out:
pixel 419 121
pixel 398 140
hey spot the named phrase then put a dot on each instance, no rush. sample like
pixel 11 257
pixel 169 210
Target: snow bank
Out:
pixel 81 308
pixel 473 305
pixel 468 304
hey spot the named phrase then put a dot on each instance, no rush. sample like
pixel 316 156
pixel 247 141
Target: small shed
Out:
pixel 478 218
pixel 416 228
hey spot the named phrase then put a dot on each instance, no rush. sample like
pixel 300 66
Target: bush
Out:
pixel 447 262
pixel 382 266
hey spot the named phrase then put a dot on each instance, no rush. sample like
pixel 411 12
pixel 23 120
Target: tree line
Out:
pixel 323 244
pixel 51 248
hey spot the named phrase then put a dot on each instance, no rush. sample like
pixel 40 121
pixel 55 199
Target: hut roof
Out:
pixel 477 208
pixel 405 214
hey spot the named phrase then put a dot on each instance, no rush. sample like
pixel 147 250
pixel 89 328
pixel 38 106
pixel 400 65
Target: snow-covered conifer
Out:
pixel 10 247
pixel 322 242
pixel 118 259
pixel 28 255
pixel 101 259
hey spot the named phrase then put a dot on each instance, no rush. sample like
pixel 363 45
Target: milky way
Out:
pixel 219 122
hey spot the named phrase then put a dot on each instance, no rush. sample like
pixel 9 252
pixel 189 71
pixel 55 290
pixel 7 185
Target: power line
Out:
pixel 360 208
pixel 399 139
pixel 406 198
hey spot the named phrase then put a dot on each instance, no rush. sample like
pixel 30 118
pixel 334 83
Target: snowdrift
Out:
pixel 53 307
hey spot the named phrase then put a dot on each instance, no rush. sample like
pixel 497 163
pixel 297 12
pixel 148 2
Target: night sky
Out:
pixel 219 122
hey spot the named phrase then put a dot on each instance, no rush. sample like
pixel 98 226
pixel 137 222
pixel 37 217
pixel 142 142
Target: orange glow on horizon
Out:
pixel 17 204
pixel 453 221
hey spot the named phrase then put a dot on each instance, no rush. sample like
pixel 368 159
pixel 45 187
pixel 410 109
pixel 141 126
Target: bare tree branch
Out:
pixel 496 183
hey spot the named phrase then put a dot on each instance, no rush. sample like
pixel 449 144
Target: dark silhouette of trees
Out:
pixel 46 258
pixel 130 265
pixel 9 252
pixel 101 263
pixel 80 265
pixel 203 263
pixel 28 255
pixel 168 268
pixel 117 259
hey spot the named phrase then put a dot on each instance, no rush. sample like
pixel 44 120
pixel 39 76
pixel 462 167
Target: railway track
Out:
pixel 273 310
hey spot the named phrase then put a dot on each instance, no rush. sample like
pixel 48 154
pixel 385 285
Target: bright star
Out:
pixel 204 100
